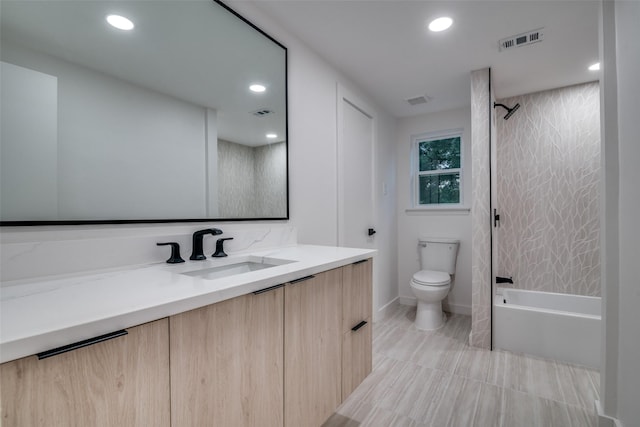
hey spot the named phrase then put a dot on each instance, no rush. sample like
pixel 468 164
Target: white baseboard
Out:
pixel 450 308
pixel 606 420
pixel 408 301
pixel 385 309
pixel 457 308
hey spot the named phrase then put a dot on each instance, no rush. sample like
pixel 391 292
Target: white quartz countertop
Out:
pixel 49 312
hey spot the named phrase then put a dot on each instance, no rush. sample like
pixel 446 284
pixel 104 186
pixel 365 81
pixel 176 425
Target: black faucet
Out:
pixel 198 236
pixel 220 248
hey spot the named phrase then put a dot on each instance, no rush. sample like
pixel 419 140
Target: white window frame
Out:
pixel 416 173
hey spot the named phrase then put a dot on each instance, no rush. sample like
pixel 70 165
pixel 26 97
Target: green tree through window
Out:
pixel 439 170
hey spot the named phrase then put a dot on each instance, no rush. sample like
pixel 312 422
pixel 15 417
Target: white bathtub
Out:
pixel 557 326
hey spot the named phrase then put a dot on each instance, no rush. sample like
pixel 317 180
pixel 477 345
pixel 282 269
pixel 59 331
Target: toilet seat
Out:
pixel 431 278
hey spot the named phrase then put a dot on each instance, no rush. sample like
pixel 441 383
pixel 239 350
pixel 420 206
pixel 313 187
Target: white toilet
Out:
pixel 431 284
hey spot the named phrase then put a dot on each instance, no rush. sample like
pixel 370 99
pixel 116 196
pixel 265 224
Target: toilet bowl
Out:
pixel 431 284
pixel 430 288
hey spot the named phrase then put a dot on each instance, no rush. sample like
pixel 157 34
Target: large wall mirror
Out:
pixel 153 124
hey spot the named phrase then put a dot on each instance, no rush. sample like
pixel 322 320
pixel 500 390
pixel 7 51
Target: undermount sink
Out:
pixel 245 265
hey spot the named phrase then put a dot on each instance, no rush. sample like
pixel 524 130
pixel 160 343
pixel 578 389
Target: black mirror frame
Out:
pixel 187 220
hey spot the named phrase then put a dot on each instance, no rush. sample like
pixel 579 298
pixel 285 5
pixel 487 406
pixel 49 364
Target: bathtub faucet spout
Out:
pixel 504 279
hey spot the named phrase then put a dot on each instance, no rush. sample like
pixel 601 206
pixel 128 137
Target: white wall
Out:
pixel 312 161
pixel 107 129
pixel 620 385
pixel 28 98
pixel 313 153
pixel 455 224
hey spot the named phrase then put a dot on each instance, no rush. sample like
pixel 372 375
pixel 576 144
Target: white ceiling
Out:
pixel 384 46
pixel 179 48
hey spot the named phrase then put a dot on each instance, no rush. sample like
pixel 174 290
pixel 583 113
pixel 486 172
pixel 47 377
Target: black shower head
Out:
pixel 510 111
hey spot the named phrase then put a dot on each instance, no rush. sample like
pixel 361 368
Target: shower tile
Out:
pixel 548 191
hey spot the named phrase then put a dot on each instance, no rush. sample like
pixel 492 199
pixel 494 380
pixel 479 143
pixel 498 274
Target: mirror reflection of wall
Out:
pixel 252 179
pixel 81 143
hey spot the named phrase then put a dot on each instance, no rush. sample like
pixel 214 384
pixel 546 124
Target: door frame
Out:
pixel 346 95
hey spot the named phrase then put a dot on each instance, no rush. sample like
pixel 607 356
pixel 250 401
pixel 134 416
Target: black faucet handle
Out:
pixel 175 257
pixel 220 248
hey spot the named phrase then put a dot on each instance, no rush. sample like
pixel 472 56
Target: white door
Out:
pixel 355 172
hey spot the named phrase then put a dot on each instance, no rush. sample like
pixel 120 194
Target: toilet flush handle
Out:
pixel 372 232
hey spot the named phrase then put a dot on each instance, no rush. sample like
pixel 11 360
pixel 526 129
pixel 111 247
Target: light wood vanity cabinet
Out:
pixel 313 341
pixel 356 323
pixel 120 382
pixel 227 363
pixel 285 357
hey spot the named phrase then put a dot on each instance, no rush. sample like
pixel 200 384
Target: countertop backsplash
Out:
pixel 31 252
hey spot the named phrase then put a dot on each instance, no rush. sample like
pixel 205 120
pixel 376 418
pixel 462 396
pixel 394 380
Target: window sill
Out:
pixel 439 211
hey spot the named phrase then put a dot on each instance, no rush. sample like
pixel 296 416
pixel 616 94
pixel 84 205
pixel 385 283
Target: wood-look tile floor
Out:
pixel 436 379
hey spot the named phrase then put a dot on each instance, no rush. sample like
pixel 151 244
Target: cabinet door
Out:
pixel 356 357
pixel 313 340
pixel 356 293
pixel 356 323
pixel 120 382
pixel 226 363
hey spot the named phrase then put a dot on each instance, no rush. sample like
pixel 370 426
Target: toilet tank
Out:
pixel 438 254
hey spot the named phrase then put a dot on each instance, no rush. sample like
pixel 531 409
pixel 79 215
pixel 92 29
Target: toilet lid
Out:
pixel 431 278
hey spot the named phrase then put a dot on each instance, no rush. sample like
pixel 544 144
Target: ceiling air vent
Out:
pixel 522 39
pixel 262 112
pixel 419 100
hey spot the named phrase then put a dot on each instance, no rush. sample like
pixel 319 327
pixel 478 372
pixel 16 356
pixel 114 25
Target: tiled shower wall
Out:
pixel 480 211
pixel 252 180
pixel 548 177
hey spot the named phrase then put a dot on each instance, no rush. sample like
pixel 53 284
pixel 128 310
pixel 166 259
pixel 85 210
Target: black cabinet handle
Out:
pixel 80 344
pixel 359 325
pixel 271 288
pixel 302 279
pixel 360 262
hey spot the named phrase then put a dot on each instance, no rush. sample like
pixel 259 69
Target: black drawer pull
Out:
pixel 302 279
pixel 360 262
pixel 262 291
pixel 80 344
pixel 359 325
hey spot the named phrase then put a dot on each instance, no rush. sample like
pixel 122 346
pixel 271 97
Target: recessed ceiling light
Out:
pixel 258 88
pixel 272 135
pixel 594 67
pixel 120 22
pixel 440 24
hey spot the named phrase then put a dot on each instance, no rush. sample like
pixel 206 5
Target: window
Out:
pixel 437 169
